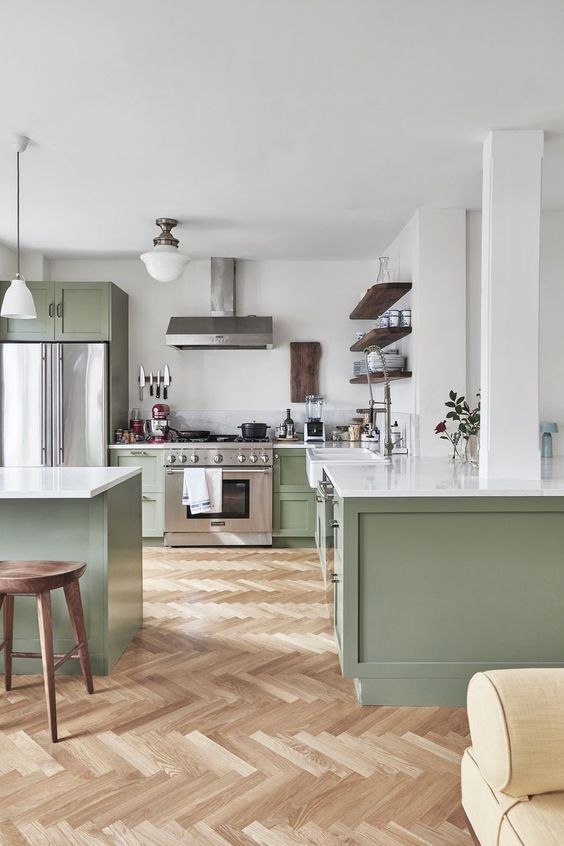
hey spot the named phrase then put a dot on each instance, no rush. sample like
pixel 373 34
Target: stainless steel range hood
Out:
pixel 222 329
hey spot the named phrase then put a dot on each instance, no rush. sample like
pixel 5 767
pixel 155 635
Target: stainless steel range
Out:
pixel 246 516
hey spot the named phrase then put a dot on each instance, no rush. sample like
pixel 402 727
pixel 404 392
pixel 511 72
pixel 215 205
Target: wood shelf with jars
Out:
pixel 375 378
pixel 376 301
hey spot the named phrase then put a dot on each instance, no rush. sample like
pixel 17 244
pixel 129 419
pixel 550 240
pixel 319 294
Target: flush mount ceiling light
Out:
pixel 164 263
pixel 18 301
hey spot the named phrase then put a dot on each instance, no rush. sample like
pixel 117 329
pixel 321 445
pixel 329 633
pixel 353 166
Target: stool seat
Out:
pixel 39 578
pixel 23 577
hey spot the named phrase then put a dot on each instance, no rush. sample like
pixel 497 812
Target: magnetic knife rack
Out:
pixel 155 381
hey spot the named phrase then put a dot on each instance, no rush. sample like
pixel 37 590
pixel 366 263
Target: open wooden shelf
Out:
pixel 393 375
pixel 381 337
pixel 378 299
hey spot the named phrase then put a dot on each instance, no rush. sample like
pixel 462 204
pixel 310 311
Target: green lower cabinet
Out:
pixel 432 590
pixel 294 515
pixel 293 501
pixel 151 462
pixel 153 515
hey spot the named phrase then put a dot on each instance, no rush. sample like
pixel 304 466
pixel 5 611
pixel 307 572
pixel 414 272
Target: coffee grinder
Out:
pixel 314 428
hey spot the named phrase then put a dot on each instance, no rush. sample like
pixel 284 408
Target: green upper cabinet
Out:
pixel 43 327
pixel 66 311
pixel 82 311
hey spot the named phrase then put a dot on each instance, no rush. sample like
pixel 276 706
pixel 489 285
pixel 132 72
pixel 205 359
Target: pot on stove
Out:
pixel 253 431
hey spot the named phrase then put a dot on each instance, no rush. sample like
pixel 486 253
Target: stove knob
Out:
pixel 217 459
pixel 241 458
pixel 182 458
pixel 194 458
pixel 253 458
pixel 171 458
pixel 264 458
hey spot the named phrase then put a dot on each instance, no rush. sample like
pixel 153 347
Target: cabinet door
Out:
pixel 338 589
pixel 293 515
pixel 290 471
pixel 151 462
pixel 82 311
pixel 153 515
pixel 40 329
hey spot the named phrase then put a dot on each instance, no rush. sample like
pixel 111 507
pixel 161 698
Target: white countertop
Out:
pixel 61 482
pixel 437 477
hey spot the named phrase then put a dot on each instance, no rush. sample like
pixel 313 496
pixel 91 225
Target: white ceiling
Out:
pixel 269 128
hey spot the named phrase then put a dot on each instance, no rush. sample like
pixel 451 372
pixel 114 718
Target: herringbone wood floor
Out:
pixel 227 723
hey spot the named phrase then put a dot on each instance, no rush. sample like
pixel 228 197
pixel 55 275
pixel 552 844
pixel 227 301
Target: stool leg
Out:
pixel 8 639
pixel 46 637
pixel 76 614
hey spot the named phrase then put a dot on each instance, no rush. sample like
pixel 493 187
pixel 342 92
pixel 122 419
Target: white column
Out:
pixel 511 205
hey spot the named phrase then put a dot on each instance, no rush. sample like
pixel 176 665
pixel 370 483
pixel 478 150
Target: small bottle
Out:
pixel 289 423
pixel 395 433
pixel 282 430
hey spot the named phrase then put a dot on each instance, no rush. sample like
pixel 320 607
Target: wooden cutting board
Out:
pixel 304 369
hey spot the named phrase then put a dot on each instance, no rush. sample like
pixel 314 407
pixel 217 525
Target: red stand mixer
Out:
pixel 156 427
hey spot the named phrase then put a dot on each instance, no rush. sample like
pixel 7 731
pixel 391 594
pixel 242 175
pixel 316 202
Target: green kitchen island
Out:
pixel 438 574
pixel 90 514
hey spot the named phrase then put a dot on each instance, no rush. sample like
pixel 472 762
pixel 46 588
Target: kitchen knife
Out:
pixel 151 383
pixel 166 382
pixel 158 388
pixel 141 381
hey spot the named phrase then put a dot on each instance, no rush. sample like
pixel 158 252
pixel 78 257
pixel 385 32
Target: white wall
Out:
pixel 431 252
pixel 309 301
pixel 7 262
pixel 551 311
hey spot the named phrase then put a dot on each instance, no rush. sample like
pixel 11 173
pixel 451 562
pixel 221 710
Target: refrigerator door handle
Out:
pixel 60 446
pixel 44 401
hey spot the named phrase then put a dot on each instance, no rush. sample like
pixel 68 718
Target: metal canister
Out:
pixel 384 320
pixel 118 436
pixel 405 317
pixel 394 318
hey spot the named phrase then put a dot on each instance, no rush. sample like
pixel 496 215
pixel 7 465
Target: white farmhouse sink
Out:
pixel 318 456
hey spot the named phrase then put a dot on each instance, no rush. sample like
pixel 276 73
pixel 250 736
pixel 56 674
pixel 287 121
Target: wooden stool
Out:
pixel 20 578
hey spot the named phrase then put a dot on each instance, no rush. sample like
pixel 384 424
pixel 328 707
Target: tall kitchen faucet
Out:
pixel 387 404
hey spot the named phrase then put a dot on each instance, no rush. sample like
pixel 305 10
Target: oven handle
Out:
pixel 240 471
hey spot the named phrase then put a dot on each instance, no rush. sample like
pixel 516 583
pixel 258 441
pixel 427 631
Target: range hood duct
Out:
pixel 223 329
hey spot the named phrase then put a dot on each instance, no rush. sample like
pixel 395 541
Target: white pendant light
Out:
pixel 164 263
pixel 18 301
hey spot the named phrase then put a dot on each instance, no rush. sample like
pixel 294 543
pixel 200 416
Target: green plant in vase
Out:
pixel 468 429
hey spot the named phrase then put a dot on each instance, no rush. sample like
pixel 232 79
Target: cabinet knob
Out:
pixel 276 456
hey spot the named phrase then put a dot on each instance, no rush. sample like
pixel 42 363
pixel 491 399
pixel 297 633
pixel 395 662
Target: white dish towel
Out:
pixel 202 490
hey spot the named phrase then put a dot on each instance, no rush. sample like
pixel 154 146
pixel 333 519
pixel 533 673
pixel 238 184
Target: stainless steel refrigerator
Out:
pixel 53 404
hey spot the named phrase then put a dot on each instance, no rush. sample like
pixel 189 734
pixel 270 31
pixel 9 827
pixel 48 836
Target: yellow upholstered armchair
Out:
pixel 513 774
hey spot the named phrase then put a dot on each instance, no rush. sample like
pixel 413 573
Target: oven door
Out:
pixel 247 503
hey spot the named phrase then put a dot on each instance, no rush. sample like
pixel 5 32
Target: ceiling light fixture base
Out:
pixel 19 142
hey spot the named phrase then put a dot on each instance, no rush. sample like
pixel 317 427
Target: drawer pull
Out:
pixel 334 579
pixel 334 524
pixel 149 499
pixel 139 452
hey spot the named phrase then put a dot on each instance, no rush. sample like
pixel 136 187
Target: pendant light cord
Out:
pixel 18 210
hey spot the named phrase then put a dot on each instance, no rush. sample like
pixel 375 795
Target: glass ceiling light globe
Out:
pixel 164 263
pixel 18 301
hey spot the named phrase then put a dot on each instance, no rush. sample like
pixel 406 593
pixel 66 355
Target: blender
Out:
pixel 314 428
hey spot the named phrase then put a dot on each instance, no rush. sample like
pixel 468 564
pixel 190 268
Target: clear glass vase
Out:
pixel 383 270
pixel 472 450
